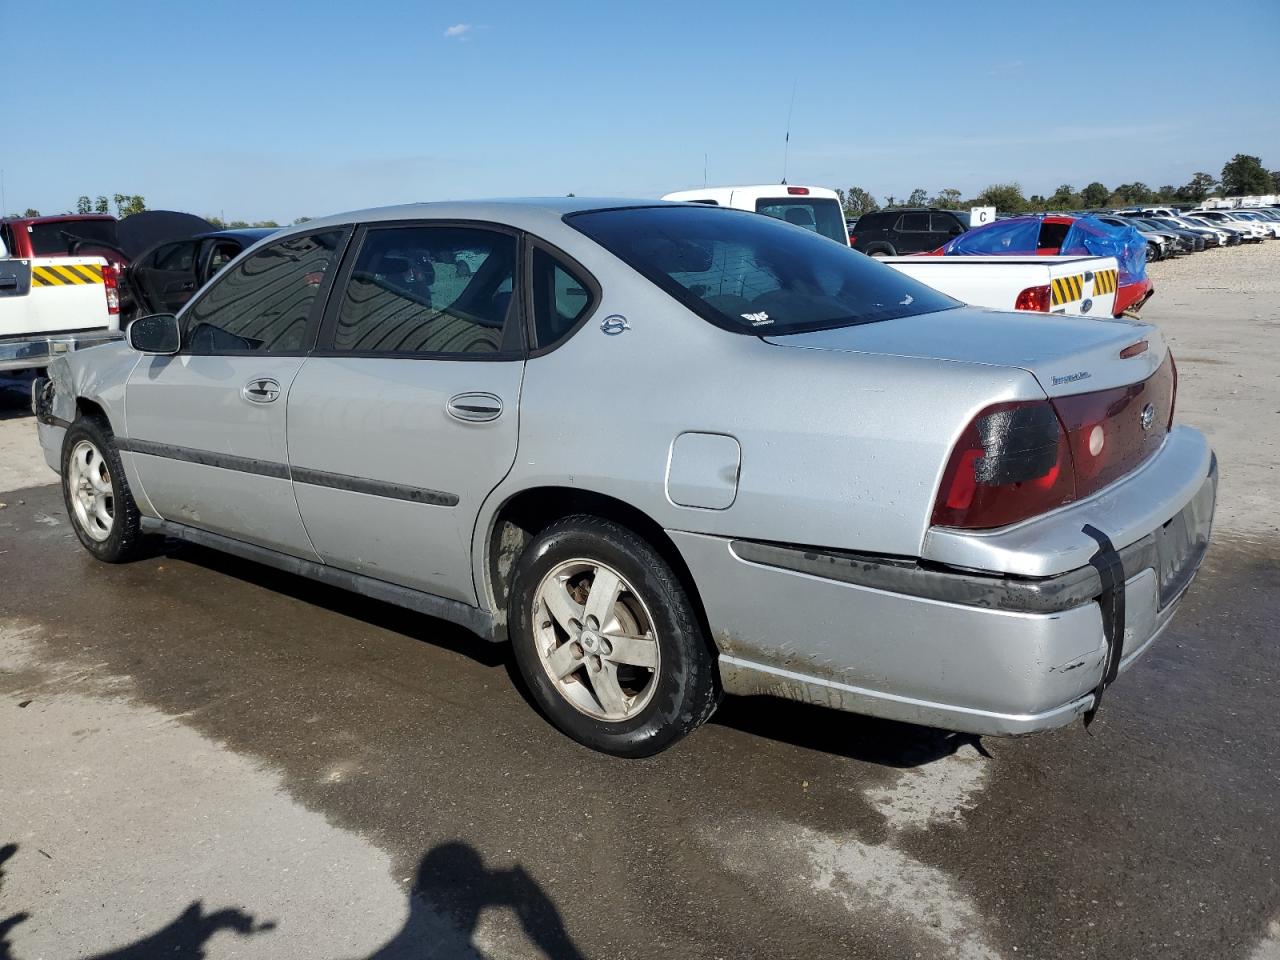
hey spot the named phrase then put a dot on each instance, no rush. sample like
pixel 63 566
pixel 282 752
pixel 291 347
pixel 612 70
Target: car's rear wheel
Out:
pixel 96 493
pixel 607 639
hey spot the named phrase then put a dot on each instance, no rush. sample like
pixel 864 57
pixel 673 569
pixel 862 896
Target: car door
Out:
pixel 167 276
pixel 207 425
pixel 406 417
pixel 913 233
pixel 942 227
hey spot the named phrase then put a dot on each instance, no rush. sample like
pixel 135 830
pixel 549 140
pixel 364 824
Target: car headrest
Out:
pixel 392 267
pixel 675 256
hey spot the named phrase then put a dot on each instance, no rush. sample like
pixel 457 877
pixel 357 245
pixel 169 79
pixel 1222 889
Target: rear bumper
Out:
pixel 38 351
pixel 964 650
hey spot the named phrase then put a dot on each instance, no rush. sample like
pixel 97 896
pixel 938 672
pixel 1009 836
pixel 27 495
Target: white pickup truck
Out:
pixel 1083 285
pixel 1073 284
pixel 51 305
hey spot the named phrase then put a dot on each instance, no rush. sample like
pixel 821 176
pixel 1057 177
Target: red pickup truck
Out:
pixel 72 235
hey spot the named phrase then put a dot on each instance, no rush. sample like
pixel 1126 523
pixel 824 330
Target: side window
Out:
pixel 263 305
pixel 429 290
pixel 175 256
pixel 914 223
pixel 560 298
pixel 223 252
pixel 943 223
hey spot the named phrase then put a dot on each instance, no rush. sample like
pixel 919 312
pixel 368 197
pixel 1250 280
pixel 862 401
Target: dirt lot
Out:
pixel 204 758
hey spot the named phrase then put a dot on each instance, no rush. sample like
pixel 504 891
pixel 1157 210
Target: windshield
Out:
pixel 753 275
pixel 57 239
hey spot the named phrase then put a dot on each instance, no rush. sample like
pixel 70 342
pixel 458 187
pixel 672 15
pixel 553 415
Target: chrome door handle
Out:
pixel 261 390
pixel 474 407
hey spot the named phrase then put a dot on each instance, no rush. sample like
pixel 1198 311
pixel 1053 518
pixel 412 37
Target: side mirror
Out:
pixel 955 231
pixel 158 333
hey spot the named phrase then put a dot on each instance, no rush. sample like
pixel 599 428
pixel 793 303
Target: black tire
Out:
pixel 687 688
pixel 1153 253
pixel 126 540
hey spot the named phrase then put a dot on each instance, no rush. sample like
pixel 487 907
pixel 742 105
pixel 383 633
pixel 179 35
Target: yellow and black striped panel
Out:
pixel 1105 281
pixel 66 276
pixel 1067 289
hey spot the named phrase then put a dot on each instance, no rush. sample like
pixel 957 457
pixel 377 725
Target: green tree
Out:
pixel 31 212
pixel 84 205
pixel 1005 197
pixel 949 197
pixel 265 223
pixel 100 205
pixel 238 224
pixel 1198 187
pixel 1064 198
pixel 1095 195
pixel 1133 193
pixel 1244 175
pixel 1275 180
pixel 855 202
pixel 918 198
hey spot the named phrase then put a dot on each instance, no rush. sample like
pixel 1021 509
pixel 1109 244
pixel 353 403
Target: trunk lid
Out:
pixel 1066 354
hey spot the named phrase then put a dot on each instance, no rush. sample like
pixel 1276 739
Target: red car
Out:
pixel 1047 235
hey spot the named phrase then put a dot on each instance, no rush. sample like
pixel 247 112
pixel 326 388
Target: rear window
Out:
pixel 57 239
pixel 752 275
pixel 819 214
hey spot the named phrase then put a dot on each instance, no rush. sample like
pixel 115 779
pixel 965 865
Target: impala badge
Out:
pixel 1148 416
pixel 615 324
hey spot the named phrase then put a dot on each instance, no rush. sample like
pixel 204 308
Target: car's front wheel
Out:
pixel 607 639
pixel 96 493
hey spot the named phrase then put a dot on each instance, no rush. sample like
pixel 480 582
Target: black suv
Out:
pixel 888 233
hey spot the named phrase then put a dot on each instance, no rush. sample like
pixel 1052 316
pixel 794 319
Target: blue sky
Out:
pixel 278 109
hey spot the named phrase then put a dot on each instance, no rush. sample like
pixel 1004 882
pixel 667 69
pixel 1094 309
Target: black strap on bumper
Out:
pixel 1111 601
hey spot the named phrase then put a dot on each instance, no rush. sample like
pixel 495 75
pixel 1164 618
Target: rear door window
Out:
pixel 430 290
pixel 752 275
pixel 914 223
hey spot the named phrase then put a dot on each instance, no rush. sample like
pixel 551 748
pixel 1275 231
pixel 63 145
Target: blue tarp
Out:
pixel 1087 236
pixel 1014 236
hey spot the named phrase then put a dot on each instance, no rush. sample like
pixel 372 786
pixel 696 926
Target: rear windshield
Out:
pixel 754 275
pixel 57 239
pixel 819 214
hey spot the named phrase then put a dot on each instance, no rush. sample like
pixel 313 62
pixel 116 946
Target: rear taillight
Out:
pixel 1033 298
pixel 852 239
pixel 111 285
pixel 1018 460
pixel 1012 462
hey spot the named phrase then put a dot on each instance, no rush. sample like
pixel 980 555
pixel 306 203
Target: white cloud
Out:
pixel 459 30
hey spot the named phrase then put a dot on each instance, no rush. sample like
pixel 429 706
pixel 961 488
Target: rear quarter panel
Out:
pixel 839 449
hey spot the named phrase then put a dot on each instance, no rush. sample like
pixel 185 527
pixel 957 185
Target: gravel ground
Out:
pixel 1220 311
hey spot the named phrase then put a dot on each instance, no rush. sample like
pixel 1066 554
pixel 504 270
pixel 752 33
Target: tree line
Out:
pixel 1243 175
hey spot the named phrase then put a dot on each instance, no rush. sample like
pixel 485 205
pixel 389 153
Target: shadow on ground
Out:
pixel 452 888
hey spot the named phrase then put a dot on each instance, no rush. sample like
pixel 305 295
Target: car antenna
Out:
pixel 786 149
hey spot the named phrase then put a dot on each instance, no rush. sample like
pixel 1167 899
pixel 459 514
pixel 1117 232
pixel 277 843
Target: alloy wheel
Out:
pixel 92 495
pixel 596 640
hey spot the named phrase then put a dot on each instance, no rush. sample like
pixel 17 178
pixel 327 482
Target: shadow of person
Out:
pixel 186 936
pixel 8 923
pixel 453 887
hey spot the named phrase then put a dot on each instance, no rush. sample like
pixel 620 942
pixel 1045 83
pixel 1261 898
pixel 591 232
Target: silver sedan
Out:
pixel 668 451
